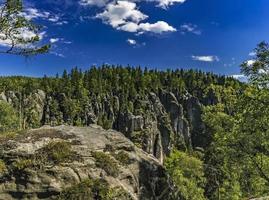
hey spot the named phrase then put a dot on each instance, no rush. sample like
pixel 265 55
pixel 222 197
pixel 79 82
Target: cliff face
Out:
pixel 154 122
pixel 89 162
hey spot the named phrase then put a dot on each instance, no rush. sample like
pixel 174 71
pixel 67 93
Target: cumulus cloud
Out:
pixel 120 13
pixel 191 28
pixel 101 3
pixel 125 16
pixel 206 58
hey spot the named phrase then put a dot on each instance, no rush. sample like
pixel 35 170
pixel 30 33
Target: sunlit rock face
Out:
pixel 46 162
pixel 155 122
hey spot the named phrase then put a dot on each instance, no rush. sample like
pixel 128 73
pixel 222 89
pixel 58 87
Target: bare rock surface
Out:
pixel 44 162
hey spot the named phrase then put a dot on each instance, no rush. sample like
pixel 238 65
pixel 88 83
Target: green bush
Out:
pixel 53 153
pixel 9 120
pixel 88 189
pixel 56 152
pixel 3 167
pixel 23 163
pixel 92 189
pixel 104 122
pixel 106 162
pixel 122 157
pixel 187 174
pixel 118 193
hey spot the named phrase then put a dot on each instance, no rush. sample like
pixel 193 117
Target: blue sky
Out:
pixel 211 35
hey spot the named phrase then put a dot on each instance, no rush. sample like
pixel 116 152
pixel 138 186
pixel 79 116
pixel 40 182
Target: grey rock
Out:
pixel 143 178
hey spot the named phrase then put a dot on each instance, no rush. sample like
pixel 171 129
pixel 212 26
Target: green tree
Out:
pixel 9 120
pixel 187 174
pixel 239 152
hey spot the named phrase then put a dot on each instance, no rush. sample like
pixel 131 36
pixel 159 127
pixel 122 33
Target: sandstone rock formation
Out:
pixel 156 122
pixel 51 161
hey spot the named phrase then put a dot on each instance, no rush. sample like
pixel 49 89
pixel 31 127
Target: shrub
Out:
pixel 91 189
pixel 57 152
pixel 107 163
pixel 3 168
pixel 9 120
pixel 118 193
pixel 53 153
pixel 23 163
pixel 122 157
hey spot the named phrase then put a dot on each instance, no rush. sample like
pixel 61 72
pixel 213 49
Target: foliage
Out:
pixel 57 152
pixel 122 157
pixel 3 168
pixel 104 122
pixel 70 98
pixel 257 70
pixel 9 120
pixel 106 162
pixel 23 163
pixel 187 174
pixel 91 189
pixel 53 153
pixel 237 158
pixel 13 28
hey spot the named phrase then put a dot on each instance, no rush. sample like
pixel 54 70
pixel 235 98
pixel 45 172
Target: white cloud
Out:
pixel 240 77
pixel 124 15
pixel 192 28
pixel 121 12
pixel 33 13
pixel 131 42
pixel 102 3
pixel 206 58
pixel 158 27
pixel 57 54
pixel 22 33
pixel 166 3
pixel 54 40
pixel 99 3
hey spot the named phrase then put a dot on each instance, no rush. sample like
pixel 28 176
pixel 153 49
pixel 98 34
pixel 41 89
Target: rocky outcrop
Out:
pixel 156 122
pixel 47 162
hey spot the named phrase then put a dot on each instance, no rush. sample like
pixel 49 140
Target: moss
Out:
pixel 23 163
pixel 3 168
pixel 106 162
pixel 122 157
pixel 118 193
pixel 92 189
